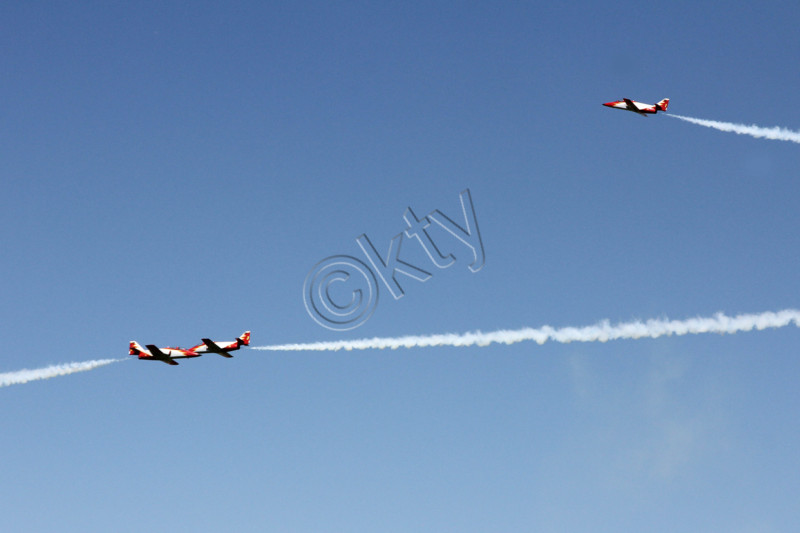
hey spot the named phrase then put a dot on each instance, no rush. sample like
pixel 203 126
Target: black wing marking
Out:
pixel 212 347
pixel 156 352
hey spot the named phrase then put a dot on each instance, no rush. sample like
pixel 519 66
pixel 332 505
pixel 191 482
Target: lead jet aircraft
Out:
pixel 168 355
pixel 222 348
pixel 638 107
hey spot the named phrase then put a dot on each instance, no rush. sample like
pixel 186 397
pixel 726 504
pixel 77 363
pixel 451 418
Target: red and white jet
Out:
pixel 222 348
pixel 168 355
pixel 638 107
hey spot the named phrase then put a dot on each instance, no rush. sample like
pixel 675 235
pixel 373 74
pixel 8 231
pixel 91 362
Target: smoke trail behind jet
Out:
pixel 601 332
pixel 25 375
pixel 775 134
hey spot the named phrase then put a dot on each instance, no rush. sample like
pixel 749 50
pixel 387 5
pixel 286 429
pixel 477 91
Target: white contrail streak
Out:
pixel 25 375
pixel 601 332
pixel 776 133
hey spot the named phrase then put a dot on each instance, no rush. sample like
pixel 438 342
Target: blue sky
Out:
pixel 172 172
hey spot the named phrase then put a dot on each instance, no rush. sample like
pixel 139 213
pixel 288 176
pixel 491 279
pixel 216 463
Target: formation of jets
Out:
pixel 638 107
pixel 168 355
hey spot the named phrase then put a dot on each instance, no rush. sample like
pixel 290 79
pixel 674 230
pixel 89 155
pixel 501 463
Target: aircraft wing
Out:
pixel 161 356
pixel 631 106
pixel 212 347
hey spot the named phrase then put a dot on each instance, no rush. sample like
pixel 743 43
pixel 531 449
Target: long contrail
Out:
pixel 601 332
pixel 26 375
pixel 776 133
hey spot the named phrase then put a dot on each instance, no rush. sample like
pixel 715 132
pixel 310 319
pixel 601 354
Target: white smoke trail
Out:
pixel 776 133
pixel 26 375
pixel 601 332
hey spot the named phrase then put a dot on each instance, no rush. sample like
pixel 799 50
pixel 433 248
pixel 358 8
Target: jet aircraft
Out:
pixel 168 355
pixel 638 107
pixel 222 348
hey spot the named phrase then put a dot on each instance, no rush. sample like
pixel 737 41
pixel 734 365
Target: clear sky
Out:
pixel 172 170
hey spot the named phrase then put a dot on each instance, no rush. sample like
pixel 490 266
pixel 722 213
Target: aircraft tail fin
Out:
pixel 244 339
pixel 662 105
pixel 135 348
